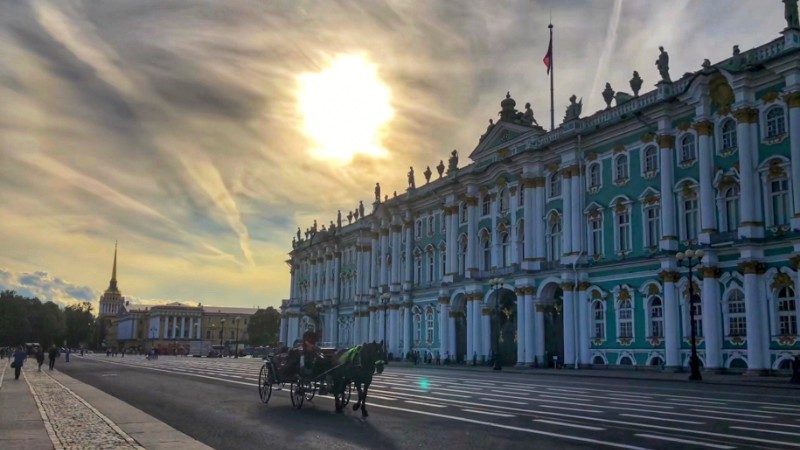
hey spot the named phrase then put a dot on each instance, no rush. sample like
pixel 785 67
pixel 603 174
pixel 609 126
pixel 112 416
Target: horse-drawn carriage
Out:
pixel 321 372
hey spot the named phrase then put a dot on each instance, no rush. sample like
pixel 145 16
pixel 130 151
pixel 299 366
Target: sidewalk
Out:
pixel 50 410
pixel 777 382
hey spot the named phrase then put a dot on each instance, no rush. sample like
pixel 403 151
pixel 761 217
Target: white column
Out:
pixel 495 232
pixel 190 333
pixel 451 337
pixel 669 237
pixel 470 326
pixel 395 278
pixel 514 237
pixel 538 220
pixel 335 325
pixel 409 275
pixel 521 325
pixel 566 215
pixel 375 251
pixel 757 330
pixel 569 323
pixel 748 159
pixel 710 304
pixel 184 333
pixel 406 330
pixel 174 327
pixel 486 337
pixel 672 341
pixel 450 218
pixel 530 324
pixel 538 330
pixel 384 277
pixel 576 215
pixel 793 101
pixel 584 355
pixel 708 216
pixel 443 319
pixel 472 234
pixel 528 198
pixel 477 342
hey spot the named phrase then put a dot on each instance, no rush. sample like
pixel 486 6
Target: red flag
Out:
pixel 548 58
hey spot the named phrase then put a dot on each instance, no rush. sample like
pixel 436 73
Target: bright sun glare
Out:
pixel 345 107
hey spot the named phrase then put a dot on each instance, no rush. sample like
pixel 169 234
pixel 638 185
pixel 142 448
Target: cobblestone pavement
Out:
pixel 70 421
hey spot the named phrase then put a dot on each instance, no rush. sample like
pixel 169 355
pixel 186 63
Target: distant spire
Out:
pixel 112 286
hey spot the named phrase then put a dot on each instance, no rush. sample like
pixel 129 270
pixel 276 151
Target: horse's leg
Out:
pixel 338 395
pixel 360 395
pixel 364 412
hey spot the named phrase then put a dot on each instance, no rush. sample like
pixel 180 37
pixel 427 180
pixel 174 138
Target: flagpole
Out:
pixel 552 69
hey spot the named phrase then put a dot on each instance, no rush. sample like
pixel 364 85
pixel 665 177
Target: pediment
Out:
pixel 501 135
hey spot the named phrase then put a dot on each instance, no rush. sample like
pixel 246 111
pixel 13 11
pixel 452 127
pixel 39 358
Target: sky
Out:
pixel 178 128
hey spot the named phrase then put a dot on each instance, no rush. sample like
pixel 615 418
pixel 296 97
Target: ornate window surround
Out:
pixel 623 293
pixel 593 189
pixel 649 174
pixel 594 212
pixel 777 280
pixel 719 133
pixel 681 139
pixel 776 167
pixel 764 109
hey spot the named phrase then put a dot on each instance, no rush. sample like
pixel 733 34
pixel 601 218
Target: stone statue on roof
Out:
pixel 663 66
pixel 411 184
pixel 790 13
pixel 377 192
pixel 488 130
pixel 608 95
pixel 452 163
pixel 314 227
pixel 636 83
pixel 427 174
pixel 361 208
pixel 527 116
pixel 574 109
pixel 298 233
pixel 350 217
pixel 440 168
pixel 339 219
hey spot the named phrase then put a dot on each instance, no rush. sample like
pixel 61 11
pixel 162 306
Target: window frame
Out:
pixel 687 140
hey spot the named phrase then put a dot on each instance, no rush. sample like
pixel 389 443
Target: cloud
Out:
pixel 175 127
pixel 45 287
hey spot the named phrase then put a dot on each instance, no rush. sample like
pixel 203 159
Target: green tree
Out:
pixel 79 324
pixel 15 326
pixel 264 326
pixel 24 319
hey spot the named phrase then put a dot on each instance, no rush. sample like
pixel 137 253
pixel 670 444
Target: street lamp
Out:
pixel 690 259
pixel 221 333
pixel 213 332
pixel 236 351
pixel 496 284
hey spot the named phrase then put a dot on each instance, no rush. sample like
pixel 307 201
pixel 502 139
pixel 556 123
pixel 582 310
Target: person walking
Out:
pixel 19 359
pixel 66 354
pixel 52 355
pixel 40 357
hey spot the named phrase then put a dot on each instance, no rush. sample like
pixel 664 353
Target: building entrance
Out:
pixel 504 326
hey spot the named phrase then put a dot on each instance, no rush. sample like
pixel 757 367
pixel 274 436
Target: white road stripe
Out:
pixel 512 402
pixel 425 404
pixel 382 397
pixel 740 414
pixel 487 413
pixel 567 424
pixel 571 409
pixel 663 419
pixel 641 404
pixel 762 430
pixel 683 441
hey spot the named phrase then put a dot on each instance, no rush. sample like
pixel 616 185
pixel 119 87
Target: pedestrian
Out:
pixel 123 352
pixel 52 354
pixel 66 355
pixel 40 357
pixel 19 359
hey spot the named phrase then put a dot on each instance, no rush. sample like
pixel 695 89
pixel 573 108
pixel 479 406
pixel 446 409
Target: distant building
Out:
pixel 171 327
pixel 565 244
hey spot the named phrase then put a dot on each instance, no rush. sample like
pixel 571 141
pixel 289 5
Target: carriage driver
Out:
pixel 310 350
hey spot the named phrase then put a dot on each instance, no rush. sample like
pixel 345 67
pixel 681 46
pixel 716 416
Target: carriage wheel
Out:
pixel 346 394
pixel 311 390
pixel 265 384
pixel 297 393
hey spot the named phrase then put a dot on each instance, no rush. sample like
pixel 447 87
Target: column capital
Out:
pixel 526 183
pixel 752 267
pixel 704 127
pixel 444 300
pixel 709 272
pixel 665 141
pixel 567 286
pixel 584 285
pixel 792 99
pixel 795 260
pixel 746 114
pixel 669 276
pixel 471 200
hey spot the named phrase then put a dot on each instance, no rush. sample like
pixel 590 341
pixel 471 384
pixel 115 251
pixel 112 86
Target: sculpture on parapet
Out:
pixel 488 129
pixel 706 64
pixel 440 168
pixel 314 227
pixel 298 233
pixel 355 214
pixel 361 208
pixel 508 112
pixel 636 83
pixel 377 192
pixel 411 184
pixel 452 163
pixel 339 219
pixel 527 117
pixel 350 217
pixel 608 95
pixel 574 109
pixel 662 63
pixel 427 174
pixel 332 227
pixel 790 13
pixel 294 242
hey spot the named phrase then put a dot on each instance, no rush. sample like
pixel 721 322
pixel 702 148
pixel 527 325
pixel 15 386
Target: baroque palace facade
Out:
pixel 171 327
pixel 563 243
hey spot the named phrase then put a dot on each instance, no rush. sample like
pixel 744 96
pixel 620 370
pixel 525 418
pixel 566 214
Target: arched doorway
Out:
pixel 458 311
pixel 504 325
pixel 553 308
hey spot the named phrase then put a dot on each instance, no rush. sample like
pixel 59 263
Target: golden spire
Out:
pixel 112 286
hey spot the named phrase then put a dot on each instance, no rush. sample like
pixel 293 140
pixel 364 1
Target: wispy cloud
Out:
pixel 45 287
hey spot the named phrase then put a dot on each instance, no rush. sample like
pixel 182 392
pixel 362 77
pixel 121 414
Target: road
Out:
pixel 216 402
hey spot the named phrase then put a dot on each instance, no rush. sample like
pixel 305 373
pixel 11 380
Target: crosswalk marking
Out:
pixel 571 425
pixel 683 441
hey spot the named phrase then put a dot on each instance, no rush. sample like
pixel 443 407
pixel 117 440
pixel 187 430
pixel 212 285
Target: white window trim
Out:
pixel 763 171
pixel 592 252
pixel 762 123
pixel 616 292
pixel 615 214
pixel 594 189
pixel 682 231
pixel 642 168
pixel 719 150
pixel 549 189
pixel 594 321
pixel 616 181
pixel 772 298
pixel 726 323
pixel 679 150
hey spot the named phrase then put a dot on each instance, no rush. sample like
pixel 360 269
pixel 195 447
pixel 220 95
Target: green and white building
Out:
pixel 563 243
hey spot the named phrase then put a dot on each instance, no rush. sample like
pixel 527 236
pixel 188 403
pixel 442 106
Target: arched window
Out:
pixel 599 319
pixel 696 314
pixel 779 200
pixel 505 248
pixel 431 225
pixel 596 233
pixel 737 319
pixel 594 175
pixel 431 266
pixel 787 312
pixel 442 262
pixel 623 229
pixel 554 185
pixel 729 140
pixel 462 253
pixel 621 168
pixel 655 310
pixel 418 269
pixel 776 125
pixel 650 159
pixel 731 196
pixel 429 323
pixel 520 241
pixel 689 222
pixel 625 319
pixel 504 200
pixel 652 226
pixel 687 151
pixel 462 208
pixel 486 245
pixel 418 228
pixel 486 204
pixel 554 238
pixel 417 325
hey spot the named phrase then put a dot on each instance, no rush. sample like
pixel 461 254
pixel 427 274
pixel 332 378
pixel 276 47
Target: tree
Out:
pixel 264 326
pixel 24 319
pixel 79 324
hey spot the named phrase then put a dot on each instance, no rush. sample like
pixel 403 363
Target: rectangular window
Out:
pixel 596 231
pixel 486 205
pixel 624 229
pixel 652 226
pixel 690 212
pixel 780 205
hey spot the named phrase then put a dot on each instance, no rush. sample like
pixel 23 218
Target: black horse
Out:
pixel 367 361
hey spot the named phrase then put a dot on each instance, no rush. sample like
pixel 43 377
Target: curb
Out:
pixel 569 373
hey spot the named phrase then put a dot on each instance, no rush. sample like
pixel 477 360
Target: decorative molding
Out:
pixel 792 99
pixel 746 115
pixel 704 127
pixel 669 276
pixel 710 272
pixel 666 141
pixel 647 137
pixel 752 267
pixel 683 125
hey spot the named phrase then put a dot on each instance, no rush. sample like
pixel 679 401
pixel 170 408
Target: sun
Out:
pixel 345 108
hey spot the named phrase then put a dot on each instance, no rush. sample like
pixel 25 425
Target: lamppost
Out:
pixel 690 259
pixel 152 336
pixel 196 332
pixel 496 284
pixel 213 332
pixel 221 333
pixel 236 352
pixel 385 303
